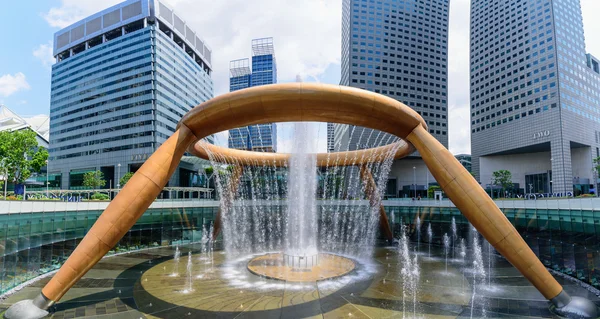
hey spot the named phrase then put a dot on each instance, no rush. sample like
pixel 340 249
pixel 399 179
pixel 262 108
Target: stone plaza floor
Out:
pixel 150 284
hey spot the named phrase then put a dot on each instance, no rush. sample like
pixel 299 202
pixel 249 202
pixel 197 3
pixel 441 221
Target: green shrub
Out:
pixel 586 195
pixel 125 178
pixel 99 196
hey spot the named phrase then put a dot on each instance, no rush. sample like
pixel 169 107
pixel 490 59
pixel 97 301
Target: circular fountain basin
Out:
pixel 285 267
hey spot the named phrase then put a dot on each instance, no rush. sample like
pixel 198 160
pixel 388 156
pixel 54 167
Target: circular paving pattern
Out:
pixel 272 266
pixel 227 288
pixel 142 285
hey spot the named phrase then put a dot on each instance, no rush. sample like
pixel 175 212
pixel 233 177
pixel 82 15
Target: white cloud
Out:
pixel 307 34
pixel 44 53
pixel 10 84
pixel 458 78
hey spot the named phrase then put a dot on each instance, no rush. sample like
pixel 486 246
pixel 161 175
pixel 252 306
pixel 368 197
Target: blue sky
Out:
pixel 24 30
pixel 307 37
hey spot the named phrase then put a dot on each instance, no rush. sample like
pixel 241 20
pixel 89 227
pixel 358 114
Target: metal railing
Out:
pixel 70 195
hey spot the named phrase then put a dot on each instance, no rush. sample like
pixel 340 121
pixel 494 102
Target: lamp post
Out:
pixel 549 177
pixel 415 179
pixel 119 176
pixel 47 193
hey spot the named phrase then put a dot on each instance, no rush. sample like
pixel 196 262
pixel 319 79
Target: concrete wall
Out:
pixel 581 158
pixel 402 171
pixel 519 165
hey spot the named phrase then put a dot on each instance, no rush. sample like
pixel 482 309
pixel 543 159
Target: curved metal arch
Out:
pixel 402 149
pixel 300 102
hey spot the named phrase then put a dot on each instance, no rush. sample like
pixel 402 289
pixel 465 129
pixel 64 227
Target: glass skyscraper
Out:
pixel 122 80
pixel 398 48
pixel 261 137
pixel 534 95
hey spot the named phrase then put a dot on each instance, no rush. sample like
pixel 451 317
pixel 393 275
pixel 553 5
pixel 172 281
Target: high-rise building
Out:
pixel 122 80
pixel 330 137
pixel 534 95
pixel 262 137
pixel 465 161
pixel 398 49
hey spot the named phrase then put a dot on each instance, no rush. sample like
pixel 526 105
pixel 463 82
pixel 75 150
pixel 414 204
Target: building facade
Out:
pixel 398 49
pixel 465 161
pixel 534 95
pixel 262 137
pixel 122 80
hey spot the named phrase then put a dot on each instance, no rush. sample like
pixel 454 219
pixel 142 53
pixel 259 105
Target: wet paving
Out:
pixel 143 285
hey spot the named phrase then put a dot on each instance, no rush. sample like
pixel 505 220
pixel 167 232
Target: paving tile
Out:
pixel 131 287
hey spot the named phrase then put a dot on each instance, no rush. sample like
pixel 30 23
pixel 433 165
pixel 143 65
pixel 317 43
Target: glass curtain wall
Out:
pixel 32 244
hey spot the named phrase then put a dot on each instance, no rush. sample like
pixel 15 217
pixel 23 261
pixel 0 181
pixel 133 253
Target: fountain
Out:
pixel 429 237
pixel 446 249
pixel 418 226
pixel 304 238
pixel 463 254
pixel 189 282
pixel 176 262
pixel 490 251
pixel 478 273
pixel 211 247
pixel 453 227
pixel 410 273
pixel 463 250
pixel 204 241
pixel 301 231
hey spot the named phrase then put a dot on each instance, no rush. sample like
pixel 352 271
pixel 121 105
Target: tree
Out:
pixel 596 170
pixel 502 178
pixel 431 191
pixel 94 179
pixel 125 179
pixel 21 155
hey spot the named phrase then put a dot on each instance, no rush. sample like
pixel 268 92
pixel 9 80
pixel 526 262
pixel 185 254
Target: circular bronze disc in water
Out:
pixel 272 266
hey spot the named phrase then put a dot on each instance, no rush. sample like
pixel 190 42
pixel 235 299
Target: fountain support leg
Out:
pixel 370 189
pixel 475 204
pixel 29 309
pixel 573 307
pixel 116 220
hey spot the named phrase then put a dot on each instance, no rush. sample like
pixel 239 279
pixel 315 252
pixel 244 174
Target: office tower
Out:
pixel 534 95
pixel 262 137
pixel 122 80
pixel 330 137
pixel 398 49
